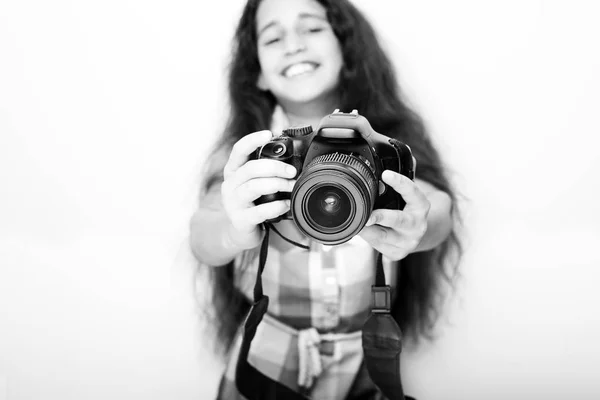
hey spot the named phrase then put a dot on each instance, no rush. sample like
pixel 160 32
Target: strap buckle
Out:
pixel 381 299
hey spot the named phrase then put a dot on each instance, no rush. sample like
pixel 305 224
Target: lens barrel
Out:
pixel 334 197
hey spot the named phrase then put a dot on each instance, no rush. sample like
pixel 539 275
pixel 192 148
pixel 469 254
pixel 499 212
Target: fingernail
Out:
pixel 287 203
pixel 369 221
pixel 290 170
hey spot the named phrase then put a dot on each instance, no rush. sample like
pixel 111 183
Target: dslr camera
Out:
pixel 339 175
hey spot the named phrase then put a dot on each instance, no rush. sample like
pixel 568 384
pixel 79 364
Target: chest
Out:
pixel 328 287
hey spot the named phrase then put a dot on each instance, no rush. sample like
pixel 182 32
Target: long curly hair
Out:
pixel 367 83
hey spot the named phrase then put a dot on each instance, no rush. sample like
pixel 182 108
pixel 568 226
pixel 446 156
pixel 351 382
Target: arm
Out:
pixel 212 237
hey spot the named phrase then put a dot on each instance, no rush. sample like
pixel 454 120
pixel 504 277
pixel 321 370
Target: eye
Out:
pixel 315 29
pixel 271 36
pixel 272 41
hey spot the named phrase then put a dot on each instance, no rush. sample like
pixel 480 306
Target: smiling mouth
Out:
pixel 299 69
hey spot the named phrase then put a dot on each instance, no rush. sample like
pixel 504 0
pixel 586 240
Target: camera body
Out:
pixel 339 175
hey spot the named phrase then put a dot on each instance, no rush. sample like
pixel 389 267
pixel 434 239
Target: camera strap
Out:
pixel 381 341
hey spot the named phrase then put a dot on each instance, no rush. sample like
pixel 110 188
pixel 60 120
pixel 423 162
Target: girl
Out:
pixel 294 62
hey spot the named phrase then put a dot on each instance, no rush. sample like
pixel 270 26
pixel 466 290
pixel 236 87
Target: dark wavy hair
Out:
pixel 367 83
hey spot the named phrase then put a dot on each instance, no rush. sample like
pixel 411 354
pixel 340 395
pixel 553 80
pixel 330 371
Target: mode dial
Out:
pixel 297 131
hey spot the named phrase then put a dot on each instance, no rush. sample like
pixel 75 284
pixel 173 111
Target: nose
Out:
pixel 294 43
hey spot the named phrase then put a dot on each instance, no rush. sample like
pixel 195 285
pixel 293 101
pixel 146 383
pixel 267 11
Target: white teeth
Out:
pixel 298 69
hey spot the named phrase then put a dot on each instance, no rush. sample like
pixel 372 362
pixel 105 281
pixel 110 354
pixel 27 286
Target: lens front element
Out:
pixel 329 207
pixel 333 198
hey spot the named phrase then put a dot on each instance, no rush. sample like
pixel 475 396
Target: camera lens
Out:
pixel 333 198
pixel 329 206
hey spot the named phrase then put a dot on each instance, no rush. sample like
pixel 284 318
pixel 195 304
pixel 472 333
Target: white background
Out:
pixel 107 109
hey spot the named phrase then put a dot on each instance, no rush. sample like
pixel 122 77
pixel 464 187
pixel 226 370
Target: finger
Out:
pixel 389 218
pixel 259 214
pixel 243 148
pixel 413 196
pixel 377 235
pixel 379 238
pixel 392 252
pixel 254 188
pixel 263 168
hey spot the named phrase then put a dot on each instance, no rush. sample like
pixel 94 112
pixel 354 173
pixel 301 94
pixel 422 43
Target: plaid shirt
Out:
pixel 319 300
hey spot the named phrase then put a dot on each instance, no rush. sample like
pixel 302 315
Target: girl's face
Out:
pixel 299 55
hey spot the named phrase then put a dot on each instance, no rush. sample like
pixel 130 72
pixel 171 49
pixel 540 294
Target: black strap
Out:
pixel 382 339
pixel 252 383
pixel 379 272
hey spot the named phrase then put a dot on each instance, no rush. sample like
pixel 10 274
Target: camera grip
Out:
pixel 267 198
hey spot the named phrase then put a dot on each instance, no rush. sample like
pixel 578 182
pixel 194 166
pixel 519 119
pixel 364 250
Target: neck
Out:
pixel 313 119
pixel 309 113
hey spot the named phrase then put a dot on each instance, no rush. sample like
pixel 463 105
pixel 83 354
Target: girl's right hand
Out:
pixel 245 181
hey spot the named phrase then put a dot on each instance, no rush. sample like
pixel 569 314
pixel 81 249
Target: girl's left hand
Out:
pixel 397 233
